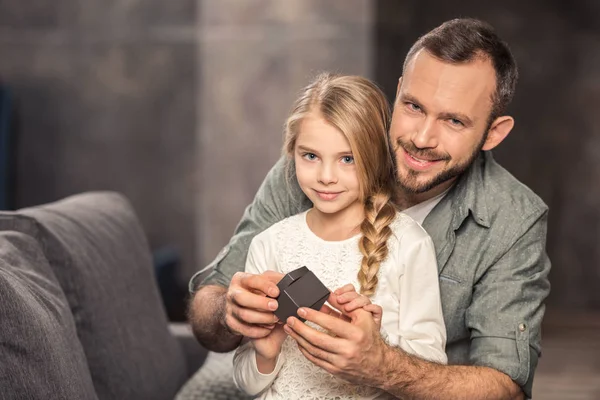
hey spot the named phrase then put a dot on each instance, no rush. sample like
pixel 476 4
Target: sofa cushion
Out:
pixel 99 254
pixel 214 381
pixel 40 354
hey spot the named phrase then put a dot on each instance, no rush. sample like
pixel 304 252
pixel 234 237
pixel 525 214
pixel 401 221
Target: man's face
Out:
pixel 440 120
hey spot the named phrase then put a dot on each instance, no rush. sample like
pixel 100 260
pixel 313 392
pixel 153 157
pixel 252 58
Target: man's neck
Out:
pixel 405 200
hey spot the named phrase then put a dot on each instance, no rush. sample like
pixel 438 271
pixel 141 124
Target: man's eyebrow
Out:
pixel 409 98
pixel 459 116
pixel 444 115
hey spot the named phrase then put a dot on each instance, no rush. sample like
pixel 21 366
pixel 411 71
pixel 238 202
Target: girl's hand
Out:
pixel 350 300
pixel 268 348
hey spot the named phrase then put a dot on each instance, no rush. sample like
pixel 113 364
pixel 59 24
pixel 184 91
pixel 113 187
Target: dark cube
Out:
pixel 299 288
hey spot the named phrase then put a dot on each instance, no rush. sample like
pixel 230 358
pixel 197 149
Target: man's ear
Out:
pixel 498 131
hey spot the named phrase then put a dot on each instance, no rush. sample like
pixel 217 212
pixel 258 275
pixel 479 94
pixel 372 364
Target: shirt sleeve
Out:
pixel 246 375
pixel 278 197
pixel 507 306
pixel 261 257
pixel 421 329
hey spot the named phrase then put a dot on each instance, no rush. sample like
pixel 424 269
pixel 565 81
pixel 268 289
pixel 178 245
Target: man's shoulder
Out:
pixel 282 228
pixel 505 195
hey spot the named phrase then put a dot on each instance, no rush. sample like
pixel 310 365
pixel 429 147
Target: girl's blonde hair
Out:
pixel 357 108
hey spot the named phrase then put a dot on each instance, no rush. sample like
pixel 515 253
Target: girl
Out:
pixel 336 138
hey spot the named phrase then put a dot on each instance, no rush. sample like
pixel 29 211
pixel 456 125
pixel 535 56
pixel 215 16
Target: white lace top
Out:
pixel 408 292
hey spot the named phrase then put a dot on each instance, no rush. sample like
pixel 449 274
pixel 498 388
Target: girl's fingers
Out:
pixel 346 288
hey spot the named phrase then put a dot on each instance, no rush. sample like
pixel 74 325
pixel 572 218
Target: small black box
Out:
pixel 299 288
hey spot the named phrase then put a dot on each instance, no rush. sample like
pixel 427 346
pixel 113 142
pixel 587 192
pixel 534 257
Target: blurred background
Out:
pixel 179 105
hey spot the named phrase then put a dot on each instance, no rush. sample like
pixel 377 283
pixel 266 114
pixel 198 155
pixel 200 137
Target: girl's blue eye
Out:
pixel 348 160
pixel 310 156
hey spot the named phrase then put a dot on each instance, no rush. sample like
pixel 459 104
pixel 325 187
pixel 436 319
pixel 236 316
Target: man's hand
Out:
pixel 355 352
pixel 248 310
pixel 358 354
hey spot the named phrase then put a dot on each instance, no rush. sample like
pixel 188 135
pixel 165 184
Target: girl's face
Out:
pixel 325 169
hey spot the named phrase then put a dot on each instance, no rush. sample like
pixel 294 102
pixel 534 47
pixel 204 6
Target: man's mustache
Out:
pixel 425 154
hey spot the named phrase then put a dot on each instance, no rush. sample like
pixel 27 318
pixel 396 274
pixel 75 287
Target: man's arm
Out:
pixel 214 300
pixel 505 322
pixel 206 316
pixel 413 378
pixel 358 354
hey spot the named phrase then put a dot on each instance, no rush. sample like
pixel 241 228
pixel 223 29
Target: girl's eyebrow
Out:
pixel 307 149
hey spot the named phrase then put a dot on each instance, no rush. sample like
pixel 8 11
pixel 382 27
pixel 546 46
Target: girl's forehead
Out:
pixel 318 134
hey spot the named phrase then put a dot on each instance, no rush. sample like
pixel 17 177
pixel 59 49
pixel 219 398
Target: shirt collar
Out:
pixel 469 195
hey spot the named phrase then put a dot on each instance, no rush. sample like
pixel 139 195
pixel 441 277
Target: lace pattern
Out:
pixel 336 264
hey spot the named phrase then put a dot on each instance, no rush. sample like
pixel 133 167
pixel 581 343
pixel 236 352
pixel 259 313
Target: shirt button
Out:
pixel 522 327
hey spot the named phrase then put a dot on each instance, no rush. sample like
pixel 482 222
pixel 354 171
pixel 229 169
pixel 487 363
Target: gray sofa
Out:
pixel 80 313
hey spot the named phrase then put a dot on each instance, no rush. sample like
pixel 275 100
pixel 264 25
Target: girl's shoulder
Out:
pixel 405 228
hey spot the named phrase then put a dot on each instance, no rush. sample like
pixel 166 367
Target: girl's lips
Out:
pixel 328 196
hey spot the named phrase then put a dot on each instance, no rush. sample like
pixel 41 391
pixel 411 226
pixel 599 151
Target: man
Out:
pixel 489 231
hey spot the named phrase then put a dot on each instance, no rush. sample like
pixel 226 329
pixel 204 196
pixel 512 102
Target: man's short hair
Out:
pixel 464 39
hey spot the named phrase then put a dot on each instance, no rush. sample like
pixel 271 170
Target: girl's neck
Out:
pixel 337 226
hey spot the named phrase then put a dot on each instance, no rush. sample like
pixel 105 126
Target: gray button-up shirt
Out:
pixel 489 233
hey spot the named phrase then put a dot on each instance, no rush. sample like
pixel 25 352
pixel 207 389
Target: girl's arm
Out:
pixel 421 328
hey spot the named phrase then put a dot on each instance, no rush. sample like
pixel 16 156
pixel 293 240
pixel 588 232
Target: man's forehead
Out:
pixel 466 85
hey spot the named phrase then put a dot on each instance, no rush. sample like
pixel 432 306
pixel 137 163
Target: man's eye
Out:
pixel 348 160
pixel 456 122
pixel 413 107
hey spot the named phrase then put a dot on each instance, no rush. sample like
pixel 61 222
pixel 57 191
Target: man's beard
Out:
pixel 408 183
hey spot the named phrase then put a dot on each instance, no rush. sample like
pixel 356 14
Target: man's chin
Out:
pixel 415 186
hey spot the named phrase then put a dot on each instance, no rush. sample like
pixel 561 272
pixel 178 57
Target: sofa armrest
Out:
pixel 194 353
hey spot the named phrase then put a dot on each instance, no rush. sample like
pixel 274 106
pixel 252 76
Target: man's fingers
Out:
pixel 263 283
pixel 246 299
pixel 250 316
pixel 320 339
pixel 250 331
pixel 325 309
pixel 273 276
pixel 332 300
pixel 319 347
pixel 327 366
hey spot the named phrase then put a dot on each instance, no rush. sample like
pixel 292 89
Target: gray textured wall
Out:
pixel 555 146
pixel 180 105
pixel 106 94
pixel 255 56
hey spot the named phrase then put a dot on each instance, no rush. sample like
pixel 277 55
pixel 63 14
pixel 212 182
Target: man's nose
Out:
pixel 426 134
